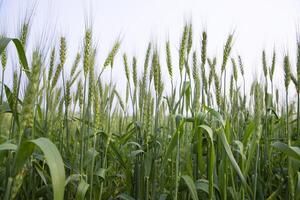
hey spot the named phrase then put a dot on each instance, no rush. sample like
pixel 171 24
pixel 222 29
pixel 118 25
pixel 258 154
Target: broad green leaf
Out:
pixel 232 159
pixel 209 132
pixel 8 146
pixel 53 158
pixel 136 152
pixel 21 53
pixel 203 185
pixel 216 114
pixel 293 152
pixel 81 190
pixel 73 177
pixel 191 185
pixel 89 156
pixel 101 172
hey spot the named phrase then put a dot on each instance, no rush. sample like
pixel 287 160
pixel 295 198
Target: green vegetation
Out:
pixel 66 133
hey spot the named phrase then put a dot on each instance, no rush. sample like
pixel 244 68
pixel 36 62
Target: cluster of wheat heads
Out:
pixel 69 134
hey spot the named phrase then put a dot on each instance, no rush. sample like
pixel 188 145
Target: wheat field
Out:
pixel 67 133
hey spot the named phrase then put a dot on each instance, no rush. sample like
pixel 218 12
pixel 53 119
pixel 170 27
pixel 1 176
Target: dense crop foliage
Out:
pixel 66 133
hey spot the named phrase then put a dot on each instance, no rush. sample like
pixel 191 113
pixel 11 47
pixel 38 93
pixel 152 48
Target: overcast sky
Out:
pixel 258 25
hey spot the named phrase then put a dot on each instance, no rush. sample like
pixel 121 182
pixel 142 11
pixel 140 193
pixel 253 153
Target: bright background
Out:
pixel 257 25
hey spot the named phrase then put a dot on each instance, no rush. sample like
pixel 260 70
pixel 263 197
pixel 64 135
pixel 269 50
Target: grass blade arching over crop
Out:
pixel 52 157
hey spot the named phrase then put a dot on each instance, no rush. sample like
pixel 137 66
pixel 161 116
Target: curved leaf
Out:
pixel 73 177
pixel 81 190
pixel 216 114
pixel 293 152
pixel 191 185
pixel 232 159
pixel 4 41
pixel 8 146
pixel 136 152
pixel 101 172
pixel 53 158
pixel 203 185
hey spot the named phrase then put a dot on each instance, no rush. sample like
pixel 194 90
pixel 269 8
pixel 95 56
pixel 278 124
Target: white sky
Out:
pixel 258 24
